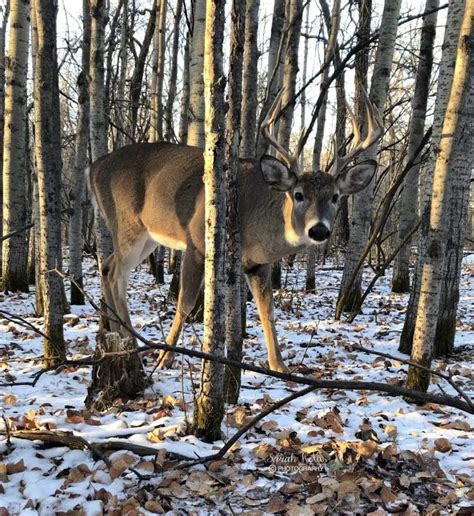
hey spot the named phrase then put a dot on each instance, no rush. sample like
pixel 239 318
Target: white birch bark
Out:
pixel 249 78
pixel 209 408
pixel 15 249
pixel 457 139
pixel 409 196
pixel 196 94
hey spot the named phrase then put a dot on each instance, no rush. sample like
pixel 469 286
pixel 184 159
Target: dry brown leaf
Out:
pixel 347 486
pixel 264 450
pixel 387 495
pixel 458 424
pixel 154 506
pixel 10 399
pixel 74 417
pixel 16 467
pixel 366 448
pixel 391 431
pixel 442 445
pixel 3 472
pixel 276 504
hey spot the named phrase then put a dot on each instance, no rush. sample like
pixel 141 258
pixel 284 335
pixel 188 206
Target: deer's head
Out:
pixel 312 197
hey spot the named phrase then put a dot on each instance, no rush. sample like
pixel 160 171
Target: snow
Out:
pixel 51 481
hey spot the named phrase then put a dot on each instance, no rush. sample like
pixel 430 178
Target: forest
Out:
pixel 237 264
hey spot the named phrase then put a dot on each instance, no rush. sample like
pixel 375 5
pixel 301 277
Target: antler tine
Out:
pixel 374 132
pixel 267 132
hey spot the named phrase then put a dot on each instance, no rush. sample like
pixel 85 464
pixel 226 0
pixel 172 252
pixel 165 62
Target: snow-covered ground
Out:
pixel 338 452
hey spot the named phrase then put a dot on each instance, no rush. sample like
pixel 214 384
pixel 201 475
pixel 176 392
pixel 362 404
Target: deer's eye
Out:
pixel 299 197
pixel 335 198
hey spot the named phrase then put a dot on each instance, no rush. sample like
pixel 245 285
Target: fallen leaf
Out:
pixel 10 399
pixel 442 445
pixel 16 467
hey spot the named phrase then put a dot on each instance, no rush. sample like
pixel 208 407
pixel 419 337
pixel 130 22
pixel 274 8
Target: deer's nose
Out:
pixel 319 232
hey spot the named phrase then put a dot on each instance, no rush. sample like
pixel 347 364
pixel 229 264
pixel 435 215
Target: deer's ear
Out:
pixel 356 178
pixel 277 174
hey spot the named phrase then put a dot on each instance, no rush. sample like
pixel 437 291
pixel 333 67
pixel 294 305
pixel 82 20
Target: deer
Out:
pixel 152 194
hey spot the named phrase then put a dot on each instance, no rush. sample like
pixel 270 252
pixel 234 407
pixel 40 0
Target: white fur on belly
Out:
pixel 168 241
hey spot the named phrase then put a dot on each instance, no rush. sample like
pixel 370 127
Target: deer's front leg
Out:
pixel 259 280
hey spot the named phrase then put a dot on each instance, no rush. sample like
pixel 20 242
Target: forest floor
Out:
pixel 339 452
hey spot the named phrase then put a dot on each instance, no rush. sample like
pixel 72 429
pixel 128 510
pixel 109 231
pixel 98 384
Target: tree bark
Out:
pixel 209 408
pixel 350 290
pixel 455 14
pixel 119 104
pixel 169 133
pixel 452 155
pixel 98 118
pixel 3 32
pixel 184 107
pixel 158 68
pixel 80 163
pixel 249 86
pixel 15 249
pixel 409 196
pixel 233 277
pixel 196 93
pixel 49 164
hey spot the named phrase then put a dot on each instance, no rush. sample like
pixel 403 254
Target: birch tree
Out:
pixel 249 86
pixel 350 289
pixel 80 163
pixel 156 123
pixel 4 12
pixel 196 84
pixel 15 249
pixel 209 407
pixel 409 197
pixel 233 276
pixel 452 156
pixel 48 162
pixel 446 70
pixel 98 119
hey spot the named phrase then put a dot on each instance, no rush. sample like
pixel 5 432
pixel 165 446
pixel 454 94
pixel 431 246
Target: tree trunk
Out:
pixel 137 76
pixel 15 249
pixel 275 67
pixel 451 158
pixel 209 408
pixel 409 196
pixel 158 68
pixel 196 93
pixel 184 107
pixel 98 119
pixel 49 164
pixel 3 32
pixel 119 105
pixel 249 86
pixel 350 290
pixel 233 277
pixel 80 162
pixel 169 133
pixel 445 75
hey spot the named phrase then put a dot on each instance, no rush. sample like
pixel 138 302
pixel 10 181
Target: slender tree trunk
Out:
pixel 409 196
pixel 184 107
pixel 350 290
pixel 234 278
pixel 196 93
pixel 98 119
pixel 332 22
pixel 120 120
pixel 209 408
pixel 169 133
pixel 15 249
pixel 156 123
pixel 451 157
pixel 249 87
pixel 455 14
pixel 80 162
pixel 3 32
pixel 274 71
pixel 48 161
pixel 137 76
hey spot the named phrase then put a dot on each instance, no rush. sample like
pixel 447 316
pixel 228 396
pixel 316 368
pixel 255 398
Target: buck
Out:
pixel 152 194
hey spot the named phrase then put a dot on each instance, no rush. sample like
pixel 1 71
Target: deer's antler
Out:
pixel 374 133
pixel 267 130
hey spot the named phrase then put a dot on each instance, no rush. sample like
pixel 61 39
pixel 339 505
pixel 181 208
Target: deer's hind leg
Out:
pixel 192 272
